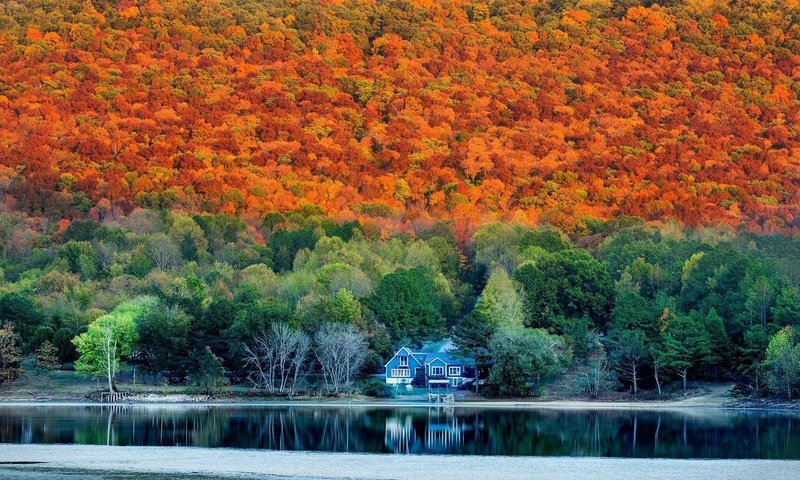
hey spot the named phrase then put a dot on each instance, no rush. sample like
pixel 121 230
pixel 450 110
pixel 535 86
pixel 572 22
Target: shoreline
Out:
pixel 488 404
pixel 232 463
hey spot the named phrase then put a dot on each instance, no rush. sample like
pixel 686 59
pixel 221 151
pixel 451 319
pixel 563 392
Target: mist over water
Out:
pixel 466 431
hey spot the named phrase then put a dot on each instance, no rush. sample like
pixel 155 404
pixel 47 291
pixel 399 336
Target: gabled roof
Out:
pixel 444 357
pixel 409 352
pixel 442 351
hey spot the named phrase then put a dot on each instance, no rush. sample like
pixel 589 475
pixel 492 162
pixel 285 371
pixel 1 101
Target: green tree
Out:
pixel 629 351
pixel 473 333
pixel 405 300
pixel 522 355
pixel 207 372
pixel 686 345
pixel 80 258
pixel 497 245
pixel 111 339
pixel 720 344
pixel 751 353
pixel 500 299
pixel 569 283
pixel 786 310
pixel 286 244
pixel 163 334
pixel 782 363
pixel 549 239
pixel 346 308
pixel 21 312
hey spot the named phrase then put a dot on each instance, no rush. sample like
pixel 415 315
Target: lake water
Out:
pixel 701 433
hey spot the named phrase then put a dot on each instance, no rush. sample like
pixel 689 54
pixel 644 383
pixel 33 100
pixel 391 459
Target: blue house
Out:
pixel 439 368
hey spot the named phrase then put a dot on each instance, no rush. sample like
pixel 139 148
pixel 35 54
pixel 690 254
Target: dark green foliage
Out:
pixel 62 340
pixel 568 283
pixel 523 356
pixel 22 313
pixel 786 310
pixel 207 329
pixel 711 280
pixel 188 248
pixel 473 334
pixel 406 302
pixel 346 231
pixel 687 345
pixel 629 351
pixel 80 258
pixel 377 388
pixel 140 264
pixel 449 263
pixel 550 240
pixel 206 370
pixel 286 244
pixel 634 312
pixel 82 231
pixel 164 340
pixel 43 333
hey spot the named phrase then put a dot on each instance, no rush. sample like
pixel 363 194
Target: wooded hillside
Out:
pixel 543 111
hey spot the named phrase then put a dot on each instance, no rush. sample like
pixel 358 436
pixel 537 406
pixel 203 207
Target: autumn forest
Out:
pixel 400 110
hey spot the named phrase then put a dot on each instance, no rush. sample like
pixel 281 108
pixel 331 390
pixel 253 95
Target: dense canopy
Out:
pixel 541 111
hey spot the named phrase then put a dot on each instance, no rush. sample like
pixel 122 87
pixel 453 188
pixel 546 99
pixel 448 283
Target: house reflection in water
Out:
pixel 440 432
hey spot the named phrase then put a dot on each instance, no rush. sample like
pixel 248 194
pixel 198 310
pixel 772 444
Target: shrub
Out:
pixel 378 389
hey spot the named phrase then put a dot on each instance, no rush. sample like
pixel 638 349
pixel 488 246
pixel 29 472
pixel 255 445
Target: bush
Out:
pixel 378 389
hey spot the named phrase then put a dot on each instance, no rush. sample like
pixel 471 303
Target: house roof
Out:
pixel 408 350
pixel 444 357
pixel 443 350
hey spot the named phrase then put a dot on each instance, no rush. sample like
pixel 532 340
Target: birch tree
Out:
pixel 164 252
pixel 340 350
pixel 629 352
pixel 277 358
pixel 109 340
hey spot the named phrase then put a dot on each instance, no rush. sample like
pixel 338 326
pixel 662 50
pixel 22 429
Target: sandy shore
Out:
pixel 230 463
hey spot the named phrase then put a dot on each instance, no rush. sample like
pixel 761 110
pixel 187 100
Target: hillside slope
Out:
pixel 397 110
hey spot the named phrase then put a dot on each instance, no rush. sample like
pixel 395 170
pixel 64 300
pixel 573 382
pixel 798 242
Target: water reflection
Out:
pixel 443 430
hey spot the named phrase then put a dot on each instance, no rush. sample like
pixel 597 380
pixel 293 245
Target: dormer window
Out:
pixel 403 360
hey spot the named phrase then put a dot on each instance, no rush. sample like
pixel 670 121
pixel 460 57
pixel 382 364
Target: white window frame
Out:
pixel 401 373
pixel 435 369
pixel 453 371
pixel 403 361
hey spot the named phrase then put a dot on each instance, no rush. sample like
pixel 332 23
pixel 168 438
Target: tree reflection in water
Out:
pixel 435 430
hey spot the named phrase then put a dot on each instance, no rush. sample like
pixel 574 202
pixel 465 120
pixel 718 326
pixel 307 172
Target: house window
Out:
pixel 401 372
pixel 437 371
pixel 454 371
pixel 403 361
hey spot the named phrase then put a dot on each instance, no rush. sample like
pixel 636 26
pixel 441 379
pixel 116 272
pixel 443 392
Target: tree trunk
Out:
pixel 655 375
pixel 684 374
pixel 635 380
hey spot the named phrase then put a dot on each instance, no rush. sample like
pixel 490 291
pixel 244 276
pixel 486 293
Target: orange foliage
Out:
pixel 399 110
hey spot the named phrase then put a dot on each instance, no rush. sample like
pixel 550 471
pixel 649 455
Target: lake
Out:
pixel 689 433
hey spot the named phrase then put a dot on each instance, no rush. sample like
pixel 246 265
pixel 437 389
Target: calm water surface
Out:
pixel 467 431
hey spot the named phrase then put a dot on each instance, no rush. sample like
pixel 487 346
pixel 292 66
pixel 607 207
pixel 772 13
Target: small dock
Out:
pixel 441 398
pixel 440 392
